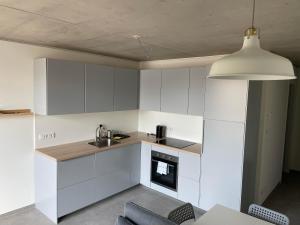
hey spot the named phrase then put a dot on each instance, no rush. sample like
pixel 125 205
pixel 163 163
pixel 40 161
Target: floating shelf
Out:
pixel 15 112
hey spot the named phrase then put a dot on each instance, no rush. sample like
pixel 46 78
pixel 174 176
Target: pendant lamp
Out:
pixel 252 62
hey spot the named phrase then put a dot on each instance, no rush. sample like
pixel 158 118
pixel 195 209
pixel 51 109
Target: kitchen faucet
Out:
pixel 98 133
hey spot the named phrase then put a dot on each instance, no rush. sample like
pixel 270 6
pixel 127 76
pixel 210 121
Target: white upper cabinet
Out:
pixel 126 93
pixel 59 87
pixel 175 90
pixel 150 88
pixel 197 90
pixel 99 88
pixel 69 87
pixel 226 100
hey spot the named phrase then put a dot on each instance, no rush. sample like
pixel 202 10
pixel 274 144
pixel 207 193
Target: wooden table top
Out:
pixel 82 148
pixel 220 215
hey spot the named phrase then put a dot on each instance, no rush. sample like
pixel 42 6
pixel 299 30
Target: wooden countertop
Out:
pixel 82 148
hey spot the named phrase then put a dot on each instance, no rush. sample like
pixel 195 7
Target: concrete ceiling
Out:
pixel 168 28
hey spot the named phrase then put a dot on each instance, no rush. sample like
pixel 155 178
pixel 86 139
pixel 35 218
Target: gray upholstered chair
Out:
pixel 137 215
pixel 141 216
pixel 268 215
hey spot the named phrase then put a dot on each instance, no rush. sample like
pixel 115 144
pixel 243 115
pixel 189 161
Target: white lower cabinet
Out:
pixel 188 190
pixel 189 165
pixel 189 177
pixel 75 197
pixel 145 164
pixel 110 184
pixel 79 182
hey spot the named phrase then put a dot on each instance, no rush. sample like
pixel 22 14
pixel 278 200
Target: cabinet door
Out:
pixel 65 87
pixel 126 91
pixel 75 171
pixel 150 87
pixel 189 165
pixel 134 160
pixel 145 164
pixel 226 100
pixel 75 197
pixel 188 190
pixel 197 90
pixel 222 164
pixel 117 170
pixel 99 88
pixel 175 90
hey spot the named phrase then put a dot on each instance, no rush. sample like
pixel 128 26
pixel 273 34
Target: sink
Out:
pixel 120 136
pixel 104 143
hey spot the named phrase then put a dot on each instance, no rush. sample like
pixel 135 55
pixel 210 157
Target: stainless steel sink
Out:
pixel 120 136
pixel 104 143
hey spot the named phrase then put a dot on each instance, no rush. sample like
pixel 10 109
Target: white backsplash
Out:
pixel 77 127
pixel 184 127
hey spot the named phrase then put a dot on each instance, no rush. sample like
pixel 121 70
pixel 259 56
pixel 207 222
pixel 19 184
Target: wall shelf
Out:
pixel 15 112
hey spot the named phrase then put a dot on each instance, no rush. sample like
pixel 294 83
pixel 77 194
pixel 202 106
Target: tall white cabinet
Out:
pixel 222 164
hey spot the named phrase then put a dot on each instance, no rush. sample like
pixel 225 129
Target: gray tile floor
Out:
pixel 286 197
pixel 102 213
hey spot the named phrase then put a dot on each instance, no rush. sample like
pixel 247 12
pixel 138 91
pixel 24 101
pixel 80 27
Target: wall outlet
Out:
pixel 47 136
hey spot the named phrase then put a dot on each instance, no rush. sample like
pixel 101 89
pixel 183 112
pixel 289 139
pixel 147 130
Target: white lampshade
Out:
pixel 252 63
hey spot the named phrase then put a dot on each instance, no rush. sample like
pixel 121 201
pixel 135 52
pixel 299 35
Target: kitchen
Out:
pixel 182 93
pixel 93 127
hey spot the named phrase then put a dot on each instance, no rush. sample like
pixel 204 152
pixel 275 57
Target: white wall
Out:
pixel 184 127
pixel 16 133
pixel 271 137
pixel 16 163
pixel 292 154
pixel 73 128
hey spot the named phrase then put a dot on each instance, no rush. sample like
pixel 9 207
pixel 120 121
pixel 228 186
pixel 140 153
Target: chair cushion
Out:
pixel 123 221
pixel 142 216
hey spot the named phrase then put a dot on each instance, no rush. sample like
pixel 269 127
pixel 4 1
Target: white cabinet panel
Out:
pixel 65 87
pixel 222 164
pixel 164 190
pixel 110 184
pixel 45 175
pixel 134 160
pixel 175 90
pixel 74 171
pixel 126 89
pixel 145 164
pixel 189 165
pixel 117 170
pixel 165 150
pixel 226 100
pixel 188 190
pixel 111 161
pixel 76 197
pixel 99 88
pixel 150 87
pixel 197 90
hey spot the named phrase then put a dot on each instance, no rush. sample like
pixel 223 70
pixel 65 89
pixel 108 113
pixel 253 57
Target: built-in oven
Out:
pixel 164 170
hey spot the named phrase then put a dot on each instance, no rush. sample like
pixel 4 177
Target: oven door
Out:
pixel 166 178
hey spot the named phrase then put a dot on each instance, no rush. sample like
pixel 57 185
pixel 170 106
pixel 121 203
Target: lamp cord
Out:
pixel 253 13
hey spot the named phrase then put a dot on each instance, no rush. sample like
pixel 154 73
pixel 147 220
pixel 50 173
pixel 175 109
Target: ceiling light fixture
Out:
pixel 252 62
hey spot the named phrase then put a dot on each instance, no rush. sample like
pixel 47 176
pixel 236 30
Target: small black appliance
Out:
pixel 160 131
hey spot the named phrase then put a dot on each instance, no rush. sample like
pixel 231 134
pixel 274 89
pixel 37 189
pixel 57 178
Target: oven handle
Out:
pixel 154 160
